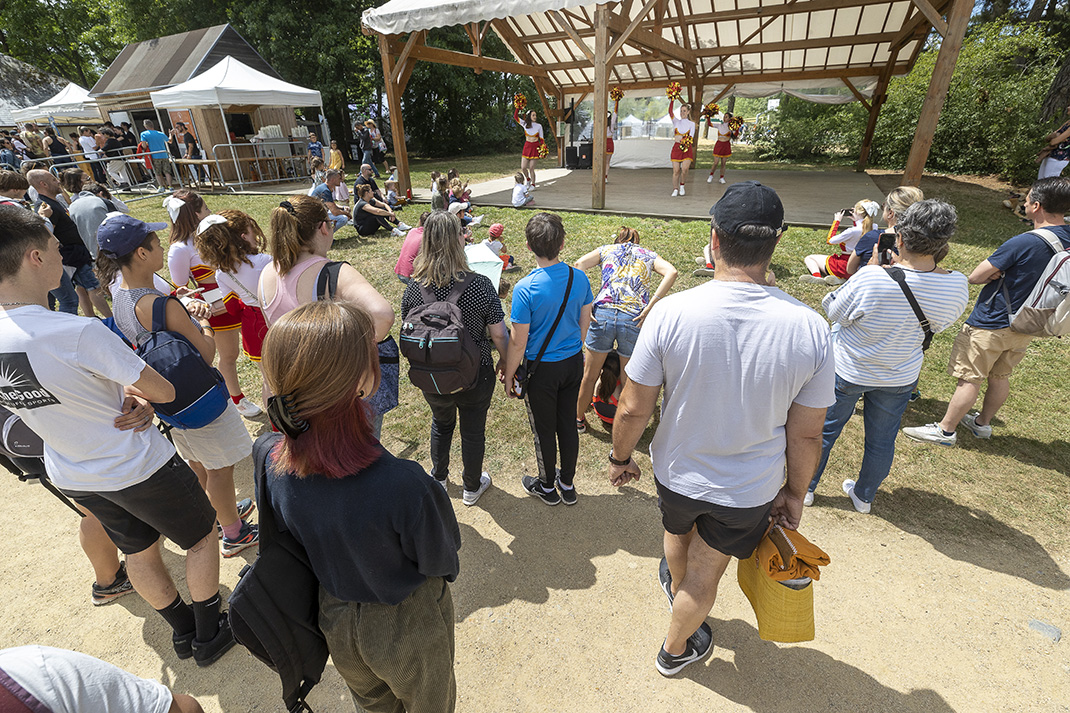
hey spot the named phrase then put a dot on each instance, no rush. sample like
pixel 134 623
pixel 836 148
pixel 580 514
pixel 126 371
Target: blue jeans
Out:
pixel 338 221
pixel 609 326
pixel 65 295
pixel 882 411
pixel 369 158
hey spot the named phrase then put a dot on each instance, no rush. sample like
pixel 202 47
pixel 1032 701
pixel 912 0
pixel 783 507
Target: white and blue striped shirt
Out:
pixel 877 338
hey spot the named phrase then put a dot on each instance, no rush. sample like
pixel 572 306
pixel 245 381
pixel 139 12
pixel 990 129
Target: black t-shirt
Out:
pixel 191 145
pixel 172 147
pixel 479 303
pixel 363 219
pixel 374 536
pixel 71 247
pixel 113 147
pixel 362 181
pixel 129 139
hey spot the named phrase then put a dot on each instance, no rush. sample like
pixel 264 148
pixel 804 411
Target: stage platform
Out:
pixel 810 197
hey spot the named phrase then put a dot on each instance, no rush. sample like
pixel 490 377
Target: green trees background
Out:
pixel 1009 90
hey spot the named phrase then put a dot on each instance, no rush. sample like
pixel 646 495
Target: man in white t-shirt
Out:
pixel 68 378
pixel 748 374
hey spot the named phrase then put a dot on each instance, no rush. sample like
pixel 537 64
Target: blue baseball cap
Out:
pixel 121 234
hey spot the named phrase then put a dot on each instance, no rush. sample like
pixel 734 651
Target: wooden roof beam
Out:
pixel 858 95
pixel 651 41
pixel 460 59
pixel 627 33
pixel 565 25
pixel 932 16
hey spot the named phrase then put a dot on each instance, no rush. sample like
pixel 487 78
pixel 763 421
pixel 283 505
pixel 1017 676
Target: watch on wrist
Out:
pixel 616 462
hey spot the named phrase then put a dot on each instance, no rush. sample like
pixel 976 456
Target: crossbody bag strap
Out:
pixel 898 275
pixel 266 517
pixel 550 335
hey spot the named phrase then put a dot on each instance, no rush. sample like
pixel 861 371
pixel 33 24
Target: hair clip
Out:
pixel 284 416
pixel 288 206
pixel 173 206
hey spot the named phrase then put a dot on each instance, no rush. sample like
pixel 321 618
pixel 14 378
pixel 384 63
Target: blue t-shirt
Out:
pixel 1021 260
pixel 157 142
pixel 865 246
pixel 315 148
pixel 322 192
pixel 536 302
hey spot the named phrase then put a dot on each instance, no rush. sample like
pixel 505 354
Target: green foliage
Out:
pixel 801 130
pixel 990 122
pixel 452 110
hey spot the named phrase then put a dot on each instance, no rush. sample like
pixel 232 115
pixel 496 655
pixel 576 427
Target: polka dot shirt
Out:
pixel 479 303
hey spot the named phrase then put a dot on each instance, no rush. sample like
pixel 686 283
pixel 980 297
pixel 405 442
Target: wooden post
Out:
pixel 875 104
pixel 601 102
pixel 394 88
pixel 957 19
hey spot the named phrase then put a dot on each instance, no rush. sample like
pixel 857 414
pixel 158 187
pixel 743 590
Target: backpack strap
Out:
pixel 1050 238
pixel 1053 242
pixel 261 450
pixel 454 297
pixel 899 276
pixel 159 312
pixel 327 284
pixel 553 328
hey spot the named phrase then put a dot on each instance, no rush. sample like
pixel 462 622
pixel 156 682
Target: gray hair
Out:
pixel 332 173
pixel 927 226
pixel 148 124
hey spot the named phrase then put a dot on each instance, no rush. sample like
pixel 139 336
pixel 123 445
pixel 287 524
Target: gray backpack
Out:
pixel 1046 311
pixel 443 356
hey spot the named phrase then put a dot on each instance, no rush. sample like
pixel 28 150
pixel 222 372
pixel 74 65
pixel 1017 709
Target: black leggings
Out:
pixel 370 228
pixel 551 396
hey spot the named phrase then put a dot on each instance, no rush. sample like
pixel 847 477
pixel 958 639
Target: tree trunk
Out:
pixel 1059 95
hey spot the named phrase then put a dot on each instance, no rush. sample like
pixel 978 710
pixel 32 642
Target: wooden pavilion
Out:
pixel 713 48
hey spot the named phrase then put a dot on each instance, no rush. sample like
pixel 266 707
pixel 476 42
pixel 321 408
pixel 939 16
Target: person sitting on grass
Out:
pixel 440 194
pixel 832 269
pixel 409 249
pixel 369 218
pixel 339 216
pixel 392 198
pixel 318 172
pixel 496 242
pixel 521 191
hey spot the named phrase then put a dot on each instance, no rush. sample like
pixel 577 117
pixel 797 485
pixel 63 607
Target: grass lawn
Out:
pixel 1012 489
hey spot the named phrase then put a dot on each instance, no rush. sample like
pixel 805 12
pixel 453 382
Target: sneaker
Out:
pixel 929 433
pixel 581 425
pixel 444 482
pixel 703 272
pixel 397 233
pixel 721 179
pixel 248 536
pixel 709 179
pixel 683 191
pixel 247 408
pixel 208 652
pixel 808 499
pixel 915 394
pixel 512 268
pixel 665 577
pixel 476 220
pixel 698 647
pixel 183 644
pixel 833 280
pixel 534 487
pixel 675 192
pixel 470 497
pixel 161 189
pixel 970 422
pixel 121 586
pixel 405 226
pixel 699 260
pixel 860 505
pixel 812 279
pixel 568 495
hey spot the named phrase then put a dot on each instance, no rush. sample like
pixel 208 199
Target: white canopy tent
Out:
pixel 232 83
pixel 71 104
pixel 712 48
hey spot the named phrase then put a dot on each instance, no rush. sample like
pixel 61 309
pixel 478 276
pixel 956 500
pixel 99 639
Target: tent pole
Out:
pixel 601 103
pixel 957 19
pixel 230 144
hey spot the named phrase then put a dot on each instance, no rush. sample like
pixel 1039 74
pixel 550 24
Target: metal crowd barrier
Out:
pixel 265 164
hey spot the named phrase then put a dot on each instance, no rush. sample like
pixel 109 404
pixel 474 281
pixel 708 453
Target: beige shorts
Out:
pixel 980 354
pixel 220 444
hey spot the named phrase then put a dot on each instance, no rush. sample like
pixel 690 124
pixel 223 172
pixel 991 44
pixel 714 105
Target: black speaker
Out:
pixel 586 155
pixel 571 157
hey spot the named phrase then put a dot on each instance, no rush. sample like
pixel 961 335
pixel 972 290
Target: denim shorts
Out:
pixel 85 277
pixel 611 325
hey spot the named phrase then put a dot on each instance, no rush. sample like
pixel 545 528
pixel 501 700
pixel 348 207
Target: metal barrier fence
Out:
pixel 274 159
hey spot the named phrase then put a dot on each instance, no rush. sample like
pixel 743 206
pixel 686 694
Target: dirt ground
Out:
pixel 559 609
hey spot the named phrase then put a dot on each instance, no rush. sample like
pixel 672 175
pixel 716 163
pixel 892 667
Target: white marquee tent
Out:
pixel 71 105
pixel 231 83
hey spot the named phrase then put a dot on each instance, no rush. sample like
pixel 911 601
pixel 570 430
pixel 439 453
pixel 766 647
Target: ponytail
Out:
pixel 293 226
pixel 184 224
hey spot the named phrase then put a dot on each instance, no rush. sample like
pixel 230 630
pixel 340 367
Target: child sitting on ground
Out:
pixel 460 207
pixel 465 194
pixel 495 242
pixel 318 172
pixel 833 268
pixel 435 175
pixel 392 198
pixel 521 192
pixel 439 193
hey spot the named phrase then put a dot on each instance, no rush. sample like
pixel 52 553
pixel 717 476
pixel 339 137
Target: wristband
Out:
pixel 618 463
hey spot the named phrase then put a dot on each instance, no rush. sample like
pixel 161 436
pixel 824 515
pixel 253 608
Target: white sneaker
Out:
pixel 833 280
pixel 682 191
pixel 699 260
pixel 709 179
pixel 860 505
pixel 675 192
pixel 929 433
pixel 808 499
pixel 247 408
pixel 404 226
pixel 469 497
pixel 397 233
pixel 812 279
pixel 477 220
pixel 721 180
pixel 970 422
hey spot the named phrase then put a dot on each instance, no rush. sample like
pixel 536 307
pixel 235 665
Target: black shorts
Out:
pixel 170 503
pixel 732 531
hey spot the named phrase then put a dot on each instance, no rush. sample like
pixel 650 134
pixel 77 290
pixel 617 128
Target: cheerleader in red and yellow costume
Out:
pixel 534 144
pixel 722 147
pixel 683 149
pixel 186 210
pixel 832 269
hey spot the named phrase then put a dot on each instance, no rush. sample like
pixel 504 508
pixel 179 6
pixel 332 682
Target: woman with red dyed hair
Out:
pixel 380 534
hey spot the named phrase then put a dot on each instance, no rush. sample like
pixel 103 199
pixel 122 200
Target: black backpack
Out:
pixel 200 394
pixel 274 608
pixel 443 356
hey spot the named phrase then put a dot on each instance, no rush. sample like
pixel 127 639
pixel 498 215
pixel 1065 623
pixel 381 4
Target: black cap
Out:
pixel 748 203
